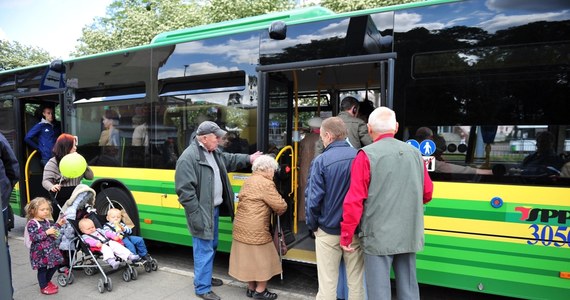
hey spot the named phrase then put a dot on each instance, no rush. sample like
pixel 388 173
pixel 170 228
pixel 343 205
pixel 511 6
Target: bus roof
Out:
pixel 240 25
pixel 295 16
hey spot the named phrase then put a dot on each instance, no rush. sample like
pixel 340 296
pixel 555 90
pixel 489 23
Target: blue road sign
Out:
pixel 427 147
pixel 414 143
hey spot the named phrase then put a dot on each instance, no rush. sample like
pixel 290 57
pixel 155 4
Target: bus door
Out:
pixel 293 93
pixel 29 113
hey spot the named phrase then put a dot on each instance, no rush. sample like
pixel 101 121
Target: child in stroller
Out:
pixel 107 241
pixel 132 242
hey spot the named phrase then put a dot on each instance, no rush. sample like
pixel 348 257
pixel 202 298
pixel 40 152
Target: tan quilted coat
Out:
pixel 257 199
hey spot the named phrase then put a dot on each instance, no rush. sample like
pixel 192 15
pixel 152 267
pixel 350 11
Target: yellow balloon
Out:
pixel 72 165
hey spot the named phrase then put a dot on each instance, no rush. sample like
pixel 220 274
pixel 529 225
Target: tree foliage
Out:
pixel 130 23
pixel 14 55
pixel 224 10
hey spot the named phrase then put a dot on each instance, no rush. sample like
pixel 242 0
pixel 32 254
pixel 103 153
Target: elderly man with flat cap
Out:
pixel 204 190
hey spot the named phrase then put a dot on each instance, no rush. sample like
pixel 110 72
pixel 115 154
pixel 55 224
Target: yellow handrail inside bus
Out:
pixel 295 150
pixel 283 151
pixel 27 174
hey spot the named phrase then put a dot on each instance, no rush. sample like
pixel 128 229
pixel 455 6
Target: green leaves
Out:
pixel 340 6
pixel 14 55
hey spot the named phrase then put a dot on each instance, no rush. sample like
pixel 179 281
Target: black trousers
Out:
pixel 45 275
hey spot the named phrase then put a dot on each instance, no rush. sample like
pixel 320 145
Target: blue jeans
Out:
pixel 204 252
pixel 5 215
pixel 135 244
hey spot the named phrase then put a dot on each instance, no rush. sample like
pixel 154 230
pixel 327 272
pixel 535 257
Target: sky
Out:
pixel 53 25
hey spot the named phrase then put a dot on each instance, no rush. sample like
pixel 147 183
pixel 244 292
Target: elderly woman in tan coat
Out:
pixel 253 256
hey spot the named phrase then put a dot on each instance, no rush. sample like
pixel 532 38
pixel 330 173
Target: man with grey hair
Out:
pixel 204 190
pixel 328 183
pixel 389 211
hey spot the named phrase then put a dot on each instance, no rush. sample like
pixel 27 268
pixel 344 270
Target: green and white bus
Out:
pixel 472 71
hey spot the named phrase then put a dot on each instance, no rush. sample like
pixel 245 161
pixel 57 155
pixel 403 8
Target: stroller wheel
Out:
pixel 101 286
pixel 61 280
pixel 154 265
pixel 126 275
pixel 89 271
pixel 134 274
pixel 109 284
pixel 71 278
pixel 147 266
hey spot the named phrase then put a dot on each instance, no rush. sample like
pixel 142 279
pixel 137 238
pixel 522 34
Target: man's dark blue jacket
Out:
pixel 328 182
pixel 45 133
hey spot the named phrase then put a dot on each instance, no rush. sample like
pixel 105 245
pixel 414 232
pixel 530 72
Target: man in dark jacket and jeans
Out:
pixel 328 183
pixel 205 192
pixel 9 175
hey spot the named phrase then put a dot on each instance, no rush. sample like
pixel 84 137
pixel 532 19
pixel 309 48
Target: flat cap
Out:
pixel 208 127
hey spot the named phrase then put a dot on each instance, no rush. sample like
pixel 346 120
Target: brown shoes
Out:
pixel 209 296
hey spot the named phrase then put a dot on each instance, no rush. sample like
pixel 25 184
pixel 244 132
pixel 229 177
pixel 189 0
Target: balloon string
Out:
pixel 60 180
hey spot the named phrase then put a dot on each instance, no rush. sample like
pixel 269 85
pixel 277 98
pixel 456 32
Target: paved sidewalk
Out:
pixel 166 283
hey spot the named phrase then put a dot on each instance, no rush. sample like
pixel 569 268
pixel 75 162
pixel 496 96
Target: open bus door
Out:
pixel 281 87
pixel 29 114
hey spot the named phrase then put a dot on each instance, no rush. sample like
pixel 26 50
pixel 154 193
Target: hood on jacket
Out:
pixel 82 195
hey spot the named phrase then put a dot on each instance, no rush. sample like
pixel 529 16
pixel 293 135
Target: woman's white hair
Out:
pixel 382 119
pixel 264 163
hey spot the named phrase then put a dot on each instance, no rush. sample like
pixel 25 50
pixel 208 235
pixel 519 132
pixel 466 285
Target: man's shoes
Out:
pixel 217 282
pixel 249 292
pixel 209 295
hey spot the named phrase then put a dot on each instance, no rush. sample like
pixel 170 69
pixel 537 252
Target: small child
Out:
pixel 107 241
pixel 132 242
pixel 67 246
pixel 44 253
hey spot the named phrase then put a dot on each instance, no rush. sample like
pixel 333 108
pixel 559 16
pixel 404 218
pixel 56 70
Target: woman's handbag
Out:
pixel 278 236
pixel 279 241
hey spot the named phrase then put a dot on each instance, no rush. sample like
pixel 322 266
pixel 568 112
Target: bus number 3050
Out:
pixel 547 234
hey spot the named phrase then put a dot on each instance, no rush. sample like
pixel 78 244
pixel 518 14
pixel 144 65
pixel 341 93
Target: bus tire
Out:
pixel 120 200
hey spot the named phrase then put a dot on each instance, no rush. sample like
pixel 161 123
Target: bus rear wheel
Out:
pixel 120 200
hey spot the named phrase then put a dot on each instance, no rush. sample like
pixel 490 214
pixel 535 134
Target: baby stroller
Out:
pixel 120 223
pixel 79 206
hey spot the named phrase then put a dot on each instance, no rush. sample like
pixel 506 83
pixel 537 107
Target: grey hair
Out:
pixel 264 163
pixel 382 119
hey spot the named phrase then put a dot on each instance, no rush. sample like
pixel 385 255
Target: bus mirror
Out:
pixel 278 30
pixel 57 65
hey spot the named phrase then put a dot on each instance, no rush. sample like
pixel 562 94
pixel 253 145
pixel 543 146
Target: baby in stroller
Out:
pixel 107 241
pixel 134 243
